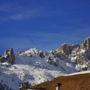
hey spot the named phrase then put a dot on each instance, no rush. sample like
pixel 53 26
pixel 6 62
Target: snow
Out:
pixel 82 51
pixel 78 67
pixel 73 58
pixel 32 51
pixel 29 66
pixel 33 69
pixel 77 73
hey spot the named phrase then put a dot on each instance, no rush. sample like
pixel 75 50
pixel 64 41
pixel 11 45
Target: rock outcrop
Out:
pixel 2 59
pixel 9 55
pixel 67 48
pixel 78 53
pixel 86 44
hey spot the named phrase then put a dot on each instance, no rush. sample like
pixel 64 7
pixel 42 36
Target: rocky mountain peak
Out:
pixel 86 44
pixel 8 56
pixel 79 53
pixel 36 66
pixel 67 48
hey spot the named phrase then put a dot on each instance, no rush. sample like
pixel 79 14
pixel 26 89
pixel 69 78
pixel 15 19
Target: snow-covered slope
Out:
pixel 35 67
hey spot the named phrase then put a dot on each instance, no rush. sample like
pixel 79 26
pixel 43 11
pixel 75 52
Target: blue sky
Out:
pixel 44 24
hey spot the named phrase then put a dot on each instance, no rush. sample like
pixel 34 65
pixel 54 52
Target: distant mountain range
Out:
pixel 35 66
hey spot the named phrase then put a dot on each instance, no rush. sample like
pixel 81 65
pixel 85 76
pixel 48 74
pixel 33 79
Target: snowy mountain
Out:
pixel 35 66
pixel 78 53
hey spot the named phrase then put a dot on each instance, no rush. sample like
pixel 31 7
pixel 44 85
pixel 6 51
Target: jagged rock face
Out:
pixel 41 54
pixel 86 44
pixel 78 53
pixel 82 55
pixel 9 55
pixel 82 59
pixel 2 59
pixel 87 54
pixel 67 49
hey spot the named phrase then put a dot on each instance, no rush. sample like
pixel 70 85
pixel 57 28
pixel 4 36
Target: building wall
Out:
pixel 74 82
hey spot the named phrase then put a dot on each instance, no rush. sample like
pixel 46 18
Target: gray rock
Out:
pixel 2 59
pixel 67 48
pixel 9 55
pixel 86 44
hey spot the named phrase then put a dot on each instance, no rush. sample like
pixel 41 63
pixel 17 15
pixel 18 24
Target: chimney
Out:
pixel 58 86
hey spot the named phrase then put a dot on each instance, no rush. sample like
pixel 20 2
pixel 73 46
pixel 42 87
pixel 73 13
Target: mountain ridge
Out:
pixel 35 66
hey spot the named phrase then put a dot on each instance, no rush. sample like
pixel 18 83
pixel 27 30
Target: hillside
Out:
pixel 35 66
pixel 34 69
